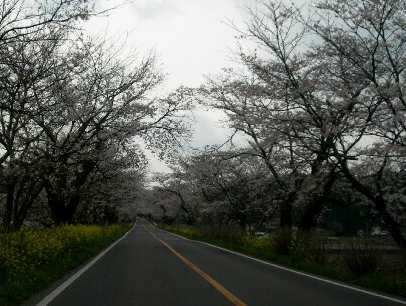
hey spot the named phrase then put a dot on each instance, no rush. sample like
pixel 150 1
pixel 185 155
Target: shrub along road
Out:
pixel 152 267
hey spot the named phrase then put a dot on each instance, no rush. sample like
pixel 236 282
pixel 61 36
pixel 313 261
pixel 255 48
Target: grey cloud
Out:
pixel 152 9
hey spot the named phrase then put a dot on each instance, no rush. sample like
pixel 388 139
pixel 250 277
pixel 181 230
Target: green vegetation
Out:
pixel 307 253
pixel 32 259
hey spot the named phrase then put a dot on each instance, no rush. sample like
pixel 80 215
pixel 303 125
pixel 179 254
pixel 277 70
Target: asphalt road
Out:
pixel 150 267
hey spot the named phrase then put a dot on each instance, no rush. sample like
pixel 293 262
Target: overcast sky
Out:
pixel 190 37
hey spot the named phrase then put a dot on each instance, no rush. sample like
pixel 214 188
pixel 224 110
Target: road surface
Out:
pixel 150 267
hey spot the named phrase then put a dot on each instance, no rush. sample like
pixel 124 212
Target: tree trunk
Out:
pixel 63 208
pixel 391 225
pixel 23 203
pixel 62 212
pixel 285 208
pixel 315 206
pixel 57 207
pixel 380 205
pixel 189 215
pixel 72 206
pixel 8 214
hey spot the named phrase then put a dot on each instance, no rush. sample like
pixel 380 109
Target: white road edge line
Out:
pixel 385 297
pixel 51 296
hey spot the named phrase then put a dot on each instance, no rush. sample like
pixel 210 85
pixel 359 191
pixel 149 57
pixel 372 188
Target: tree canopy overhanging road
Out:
pixel 143 270
pixel 310 169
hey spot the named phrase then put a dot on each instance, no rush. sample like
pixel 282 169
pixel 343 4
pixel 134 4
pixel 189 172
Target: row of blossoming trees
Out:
pixel 73 111
pixel 320 104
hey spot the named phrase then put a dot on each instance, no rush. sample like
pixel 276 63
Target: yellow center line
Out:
pixel 227 294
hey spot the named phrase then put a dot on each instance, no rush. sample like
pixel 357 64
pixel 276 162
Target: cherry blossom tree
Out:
pixel 30 32
pixel 101 102
pixel 323 94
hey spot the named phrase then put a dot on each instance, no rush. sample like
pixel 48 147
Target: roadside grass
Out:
pixel 307 259
pixel 30 259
